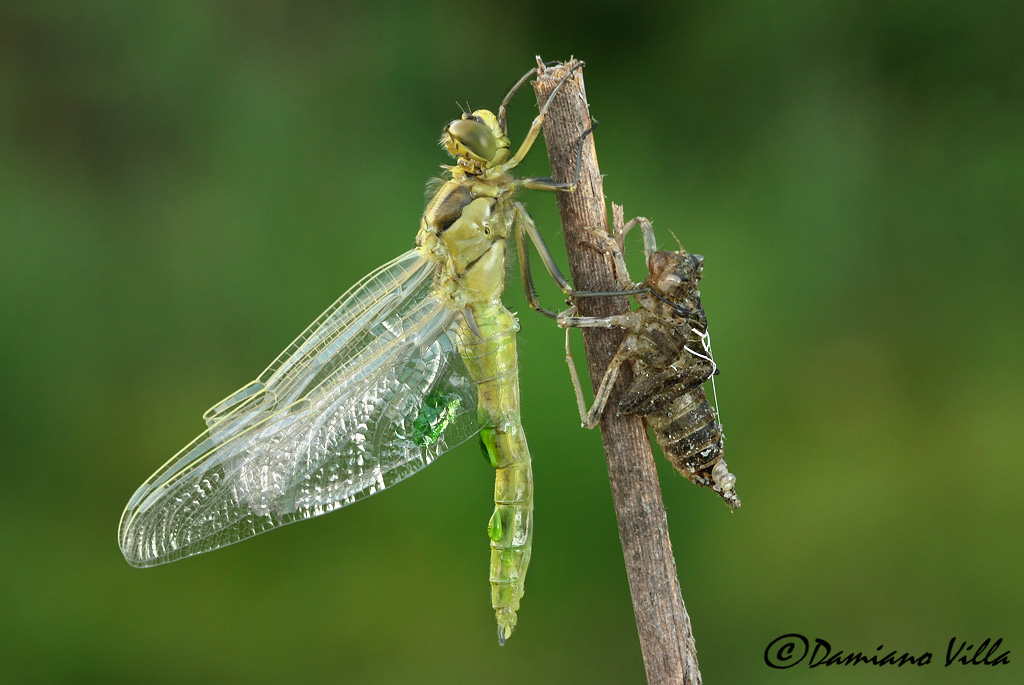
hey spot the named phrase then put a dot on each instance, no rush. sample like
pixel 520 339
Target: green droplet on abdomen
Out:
pixel 489 447
pixel 494 528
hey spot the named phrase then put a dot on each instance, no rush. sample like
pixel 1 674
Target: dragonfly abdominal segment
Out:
pixel 668 343
pixel 413 360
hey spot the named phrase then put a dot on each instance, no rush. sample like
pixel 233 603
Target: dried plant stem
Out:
pixel 662 622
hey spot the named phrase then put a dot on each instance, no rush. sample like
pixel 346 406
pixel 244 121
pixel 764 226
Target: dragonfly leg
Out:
pixel 611 246
pixel 650 244
pixel 548 183
pixel 630 321
pixel 614 246
pixel 502 116
pixel 592 417
pixel 538 121
pixel 524 227
pixel 581 402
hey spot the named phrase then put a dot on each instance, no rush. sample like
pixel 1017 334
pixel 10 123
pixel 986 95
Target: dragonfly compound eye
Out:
pixel 471 138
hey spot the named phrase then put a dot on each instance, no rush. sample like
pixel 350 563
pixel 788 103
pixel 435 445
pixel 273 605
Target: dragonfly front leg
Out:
pixel 611 246
pixel 650 244
pixel 502 116
pixel 538 122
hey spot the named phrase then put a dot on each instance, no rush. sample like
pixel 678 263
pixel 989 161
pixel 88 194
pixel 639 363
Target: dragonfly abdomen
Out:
pixel 489 350
pixel 687 429
pixel 684 423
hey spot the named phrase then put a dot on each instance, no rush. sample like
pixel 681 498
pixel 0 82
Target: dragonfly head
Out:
pixel 674 278
pixel 476 140
pixel 675 275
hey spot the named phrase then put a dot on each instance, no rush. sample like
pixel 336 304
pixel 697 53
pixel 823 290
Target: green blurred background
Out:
pixel 185 186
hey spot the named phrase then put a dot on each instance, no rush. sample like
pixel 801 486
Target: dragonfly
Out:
pixel 416 358
pixel 667 341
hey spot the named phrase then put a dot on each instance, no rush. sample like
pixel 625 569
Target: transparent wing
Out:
pixel 372 392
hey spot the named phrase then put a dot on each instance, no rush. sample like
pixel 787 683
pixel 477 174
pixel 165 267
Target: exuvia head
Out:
pixel 476 139
pixel 675 275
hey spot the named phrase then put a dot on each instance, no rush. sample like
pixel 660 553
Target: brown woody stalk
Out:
pixel 666 637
